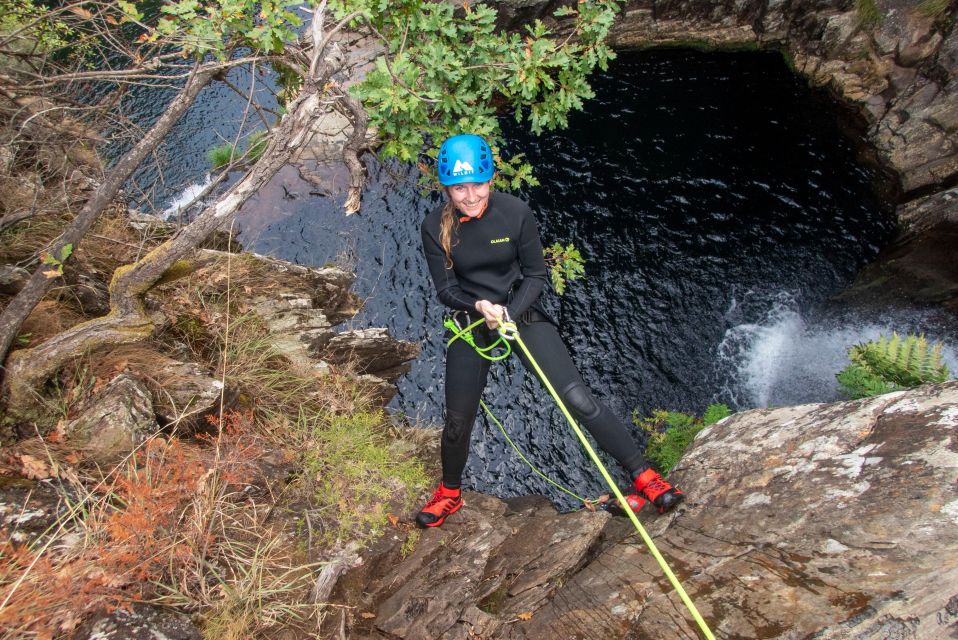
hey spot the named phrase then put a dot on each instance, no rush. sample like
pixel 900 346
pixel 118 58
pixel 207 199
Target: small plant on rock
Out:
pixel 222 155
pixel 869 15
pixel 671 433
pixel 890 364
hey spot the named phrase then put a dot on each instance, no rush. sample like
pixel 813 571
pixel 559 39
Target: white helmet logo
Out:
pixel 461 168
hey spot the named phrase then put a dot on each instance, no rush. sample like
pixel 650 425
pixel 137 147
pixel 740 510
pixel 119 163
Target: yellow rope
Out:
pixel 510 331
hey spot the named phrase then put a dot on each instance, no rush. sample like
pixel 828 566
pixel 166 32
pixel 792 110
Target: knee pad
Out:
pixel 579 400
pixel 458 426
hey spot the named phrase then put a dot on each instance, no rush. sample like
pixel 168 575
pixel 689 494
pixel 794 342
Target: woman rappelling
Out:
pixel 486 261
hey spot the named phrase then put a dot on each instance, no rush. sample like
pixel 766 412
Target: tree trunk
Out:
pixel 128 320
pixel 25 301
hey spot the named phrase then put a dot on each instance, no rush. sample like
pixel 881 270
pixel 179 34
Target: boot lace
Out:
pixel 438 497
pixel 657 486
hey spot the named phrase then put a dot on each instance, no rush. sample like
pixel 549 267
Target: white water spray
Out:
pixel 187 196
pixel 784 359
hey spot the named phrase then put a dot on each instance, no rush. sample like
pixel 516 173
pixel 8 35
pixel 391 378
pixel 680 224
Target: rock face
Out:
pixel 142 622
pixel 301 315
pixel 30 510
pixel 920 266
pixel 896 69
pixel 825 521
pixel 119 418
pixel 490 564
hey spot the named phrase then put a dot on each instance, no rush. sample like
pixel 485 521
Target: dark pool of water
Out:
pixel 703 190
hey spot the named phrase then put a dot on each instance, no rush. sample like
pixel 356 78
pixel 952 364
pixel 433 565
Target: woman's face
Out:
pixel 470 198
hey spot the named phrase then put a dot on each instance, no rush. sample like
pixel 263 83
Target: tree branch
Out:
pixel 21 306
pixel 128 320
pixel 355 145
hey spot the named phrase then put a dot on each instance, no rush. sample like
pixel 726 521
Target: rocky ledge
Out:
pixel 823 520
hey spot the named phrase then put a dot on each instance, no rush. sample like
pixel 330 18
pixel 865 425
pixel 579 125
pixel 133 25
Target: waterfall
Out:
pixel 785 358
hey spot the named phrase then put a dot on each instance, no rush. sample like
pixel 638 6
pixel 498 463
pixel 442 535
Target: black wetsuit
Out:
pixel 498 257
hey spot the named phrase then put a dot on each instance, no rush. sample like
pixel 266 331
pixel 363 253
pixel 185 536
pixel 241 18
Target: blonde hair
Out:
pixel 448 224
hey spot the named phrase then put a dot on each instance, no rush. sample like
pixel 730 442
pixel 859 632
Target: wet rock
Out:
pixel 29 508
pixel 371 351
pixel 919 266
pixel 922 214
pixel 115 420
pixel 141 622
pixel 12 279
pixel 824 520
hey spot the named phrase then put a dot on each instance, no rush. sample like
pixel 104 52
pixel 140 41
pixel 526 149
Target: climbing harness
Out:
pixel 508 333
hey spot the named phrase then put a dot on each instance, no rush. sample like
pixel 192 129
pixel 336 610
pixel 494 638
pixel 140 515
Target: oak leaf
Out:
pixel 34 468
pixel 525 616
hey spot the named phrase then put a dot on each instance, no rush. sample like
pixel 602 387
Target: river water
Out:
pixel 718 205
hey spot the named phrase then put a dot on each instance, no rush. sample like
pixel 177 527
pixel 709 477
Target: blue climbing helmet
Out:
pixel 465 158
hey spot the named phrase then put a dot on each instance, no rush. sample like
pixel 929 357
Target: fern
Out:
pixel 887 364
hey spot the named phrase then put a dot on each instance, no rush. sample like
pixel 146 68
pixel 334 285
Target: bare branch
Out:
pixel 355 145
pixel 128 319
pixel 21 306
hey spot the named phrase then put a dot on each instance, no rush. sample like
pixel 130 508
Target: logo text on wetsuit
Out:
pixel 462 167
pixel 498 240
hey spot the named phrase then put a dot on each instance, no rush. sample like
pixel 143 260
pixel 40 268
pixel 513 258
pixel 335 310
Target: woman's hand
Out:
pixel 492 312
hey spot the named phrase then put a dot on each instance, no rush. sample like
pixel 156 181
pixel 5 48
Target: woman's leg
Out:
pixel 550 353
pixel 466 373
pixel 547 348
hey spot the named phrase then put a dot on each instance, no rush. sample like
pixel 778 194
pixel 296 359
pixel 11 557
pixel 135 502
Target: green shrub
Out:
pixel 221 156
pixel 565 264
pixel 714 413
pixel 256 145
pixel 857 382
pixel 359 475
pixel 671 433
pixel 889 364
pixel 869 15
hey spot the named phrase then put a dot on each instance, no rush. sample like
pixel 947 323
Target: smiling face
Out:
pixel 470 198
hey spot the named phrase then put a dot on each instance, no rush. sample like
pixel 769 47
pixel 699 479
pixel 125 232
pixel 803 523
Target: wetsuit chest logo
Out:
pixel 499 240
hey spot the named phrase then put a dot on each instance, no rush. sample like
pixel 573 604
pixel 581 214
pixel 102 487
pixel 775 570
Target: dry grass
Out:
pixel 172 525
pixel 47 319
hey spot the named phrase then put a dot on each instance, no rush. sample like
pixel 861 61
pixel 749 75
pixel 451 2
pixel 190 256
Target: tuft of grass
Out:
pixel 256 145
pixel 359 475
pixel 869 15
pixel 409 544
pixel 933 8
pixel 671 433
pixel 222 155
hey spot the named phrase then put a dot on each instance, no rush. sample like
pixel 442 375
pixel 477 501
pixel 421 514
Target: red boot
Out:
pixel 444 501
pixel 659 492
